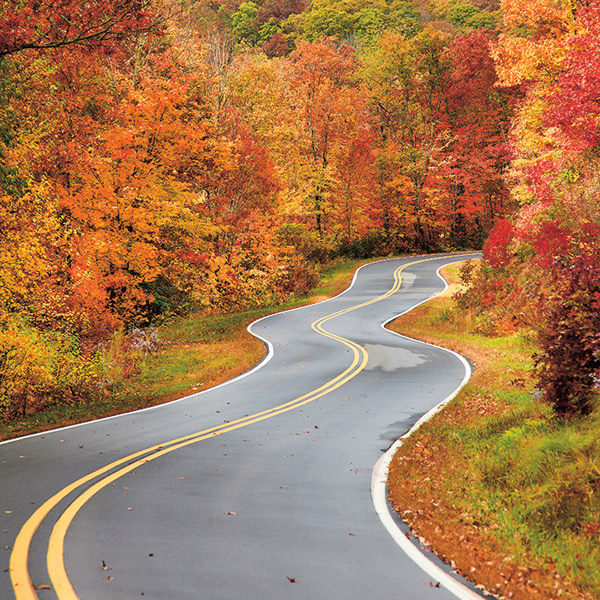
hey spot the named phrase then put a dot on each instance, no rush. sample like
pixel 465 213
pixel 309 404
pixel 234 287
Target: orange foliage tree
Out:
pixel 328 110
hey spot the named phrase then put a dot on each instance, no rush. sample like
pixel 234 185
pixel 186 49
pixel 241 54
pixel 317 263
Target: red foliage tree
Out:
pixel 276 45
pixel 478 113
pixel 44 24
pixel 575 101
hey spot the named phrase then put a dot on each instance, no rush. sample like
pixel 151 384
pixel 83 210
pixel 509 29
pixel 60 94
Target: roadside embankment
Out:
pixel 496 486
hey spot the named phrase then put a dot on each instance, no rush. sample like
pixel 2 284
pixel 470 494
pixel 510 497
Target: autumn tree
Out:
pixel 327 112
pixel 45 144
pixel 541 269
pixel 351 20
pixel 408 83
pixel 355 189
pixel 478 113
pixel 49 24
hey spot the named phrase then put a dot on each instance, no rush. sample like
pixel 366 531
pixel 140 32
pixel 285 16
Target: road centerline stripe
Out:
pixel 19 571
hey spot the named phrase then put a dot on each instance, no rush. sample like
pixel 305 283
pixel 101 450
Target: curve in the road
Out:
pixel 21 580
pixel 379 491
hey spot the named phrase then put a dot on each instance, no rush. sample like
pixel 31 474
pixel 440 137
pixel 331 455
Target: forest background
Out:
pixel 164 157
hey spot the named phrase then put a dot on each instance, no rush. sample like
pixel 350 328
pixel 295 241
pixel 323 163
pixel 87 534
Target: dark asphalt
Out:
pixel 280 508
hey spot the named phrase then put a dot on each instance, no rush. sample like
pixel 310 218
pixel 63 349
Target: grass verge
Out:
pixel 197 352
pixel 494 484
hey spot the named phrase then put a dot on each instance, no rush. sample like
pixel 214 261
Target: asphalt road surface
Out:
pixel 257 489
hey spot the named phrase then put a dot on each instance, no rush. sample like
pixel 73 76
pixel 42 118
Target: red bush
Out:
pixel 496 251
pixel 568 366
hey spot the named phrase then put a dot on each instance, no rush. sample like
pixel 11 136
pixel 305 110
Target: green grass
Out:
pixel 197 352
pixel 494 482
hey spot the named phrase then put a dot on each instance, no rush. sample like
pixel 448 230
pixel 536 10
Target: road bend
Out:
pixel 256 489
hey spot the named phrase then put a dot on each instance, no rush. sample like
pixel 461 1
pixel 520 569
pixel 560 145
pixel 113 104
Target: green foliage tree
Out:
pixel 483 20
pixel 244 24
pixel 364 20
pixel 461 14
pixel 404 19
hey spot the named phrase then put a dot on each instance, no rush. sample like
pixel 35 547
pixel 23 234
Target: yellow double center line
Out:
pixel 19 571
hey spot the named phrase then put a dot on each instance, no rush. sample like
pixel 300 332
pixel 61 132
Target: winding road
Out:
pixel 256 489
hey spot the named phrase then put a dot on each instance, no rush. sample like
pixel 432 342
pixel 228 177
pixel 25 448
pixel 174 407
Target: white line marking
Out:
pixel 268 356
pixel 381 470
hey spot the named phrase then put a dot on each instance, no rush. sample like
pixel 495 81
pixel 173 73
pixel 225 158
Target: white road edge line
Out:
pixel 268 356
pixel 381 470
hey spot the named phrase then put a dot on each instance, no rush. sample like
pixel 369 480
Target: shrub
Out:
pixel 568 366
pixel 25 369
pixel 38 369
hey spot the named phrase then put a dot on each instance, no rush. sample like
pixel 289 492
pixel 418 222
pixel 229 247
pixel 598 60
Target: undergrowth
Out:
pixel 184 355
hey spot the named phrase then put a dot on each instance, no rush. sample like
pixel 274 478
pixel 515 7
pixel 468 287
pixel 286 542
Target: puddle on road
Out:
pixel 408 279
pixel 389 358
pixel 399 428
